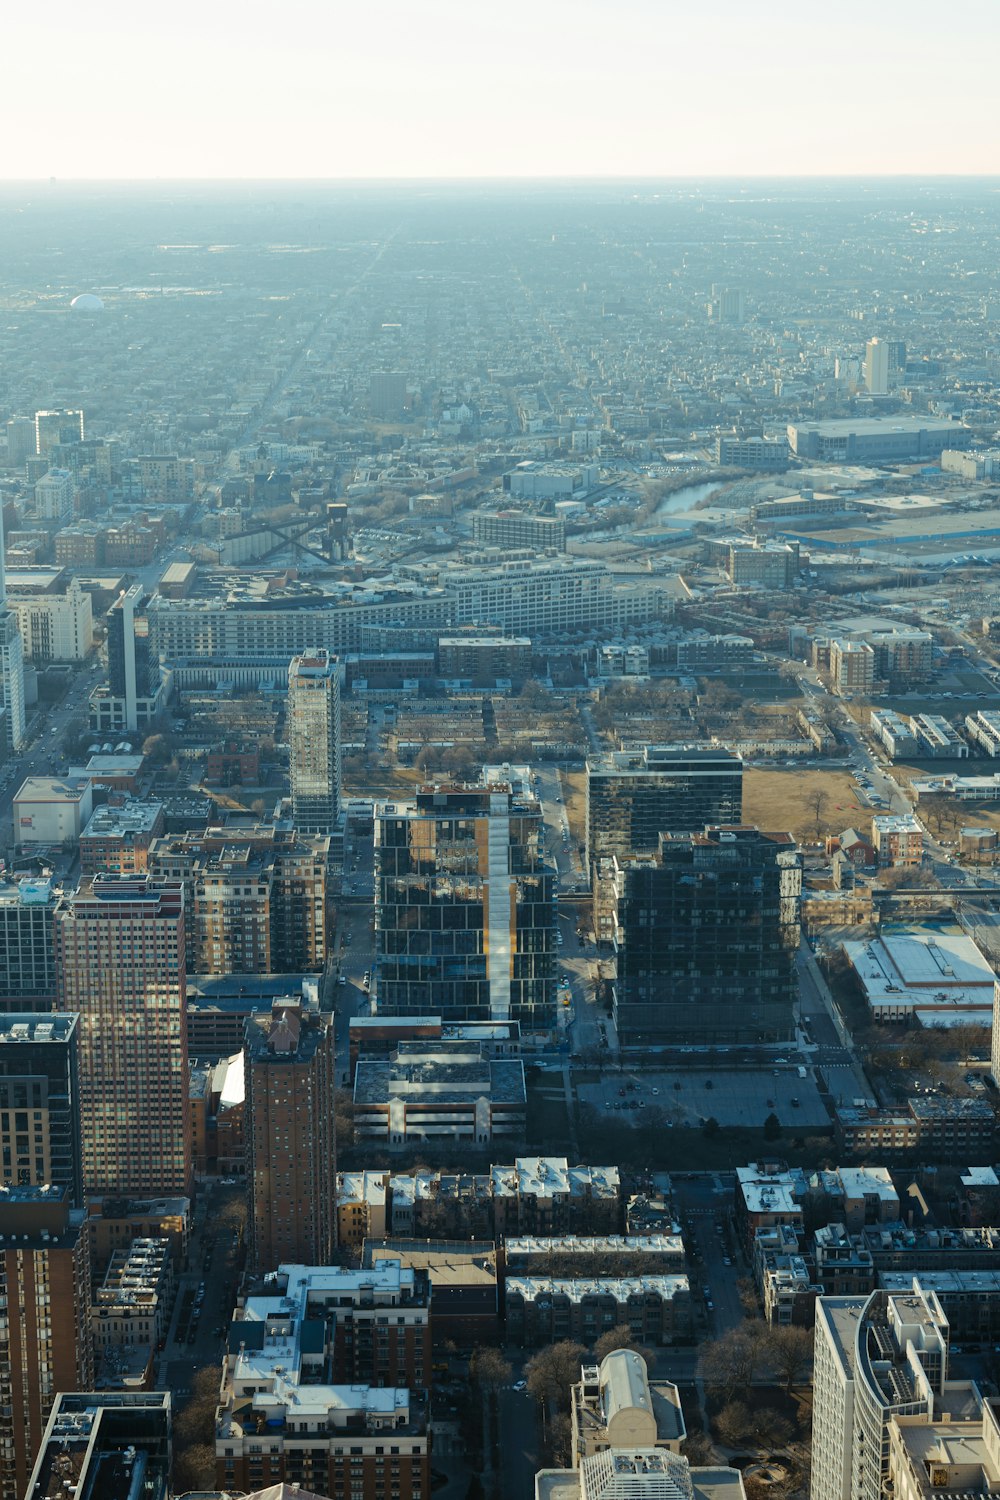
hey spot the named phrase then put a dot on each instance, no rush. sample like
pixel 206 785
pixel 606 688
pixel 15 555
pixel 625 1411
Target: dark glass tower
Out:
pixel 464 907
pixel 707 933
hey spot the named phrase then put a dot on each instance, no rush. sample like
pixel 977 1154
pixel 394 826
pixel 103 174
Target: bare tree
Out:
pixel 552 1371
pixel 747 1292
pixel 489 1372
pixel 789 1351
pixel 729 1363
pixel 733 1423
pixel 818 801
pixel 620 1337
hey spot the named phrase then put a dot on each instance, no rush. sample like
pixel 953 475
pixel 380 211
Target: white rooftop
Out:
pixel 932 972
pixel 576 1288
pixel 859 1182
pixel 980 1177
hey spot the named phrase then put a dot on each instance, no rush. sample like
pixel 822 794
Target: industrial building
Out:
pixel 851 440
pixel 936 978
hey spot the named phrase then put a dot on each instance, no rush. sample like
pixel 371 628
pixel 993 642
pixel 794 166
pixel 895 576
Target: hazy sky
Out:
pixel 413 88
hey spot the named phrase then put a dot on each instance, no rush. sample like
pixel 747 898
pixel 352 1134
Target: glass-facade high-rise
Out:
pixel 707 934
pixel 465 907
pixel 634 796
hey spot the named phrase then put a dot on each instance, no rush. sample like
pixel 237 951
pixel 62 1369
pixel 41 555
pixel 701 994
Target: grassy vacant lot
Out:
pixel 784 801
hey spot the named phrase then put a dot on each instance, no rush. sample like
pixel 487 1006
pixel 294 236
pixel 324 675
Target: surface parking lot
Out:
pixel 741 1096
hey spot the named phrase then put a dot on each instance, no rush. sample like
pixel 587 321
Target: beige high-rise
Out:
pixel 119 945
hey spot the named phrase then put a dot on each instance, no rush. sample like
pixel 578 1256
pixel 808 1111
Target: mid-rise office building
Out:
pixel 765 565
pixel 40 1103
pixel 45 1344
pixel 57 429
pixel 108 1444
pixel 464 902
pixel 119 945
pixel 290 1144
pixel 519 528
pixel 707 934
pixel 634 796
pixel 314 741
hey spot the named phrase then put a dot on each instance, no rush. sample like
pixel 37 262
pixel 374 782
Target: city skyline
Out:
pixel 666 90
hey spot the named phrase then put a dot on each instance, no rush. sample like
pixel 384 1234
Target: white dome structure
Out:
pixel 87 302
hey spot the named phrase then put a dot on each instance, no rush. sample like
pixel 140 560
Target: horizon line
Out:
pixel 55 179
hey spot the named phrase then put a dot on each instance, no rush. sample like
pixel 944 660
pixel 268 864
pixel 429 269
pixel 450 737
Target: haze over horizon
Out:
pixel 551 91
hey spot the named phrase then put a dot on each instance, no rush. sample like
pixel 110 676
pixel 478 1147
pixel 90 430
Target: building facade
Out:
pixel 289 1136
pixel 707 935
pixel 314 741
pixel 119 944
pixel 464 907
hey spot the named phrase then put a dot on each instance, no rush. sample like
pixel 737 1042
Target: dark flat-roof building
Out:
pixel 105 1445
pixel 635 795
pixel 707 932
pixel 40 1102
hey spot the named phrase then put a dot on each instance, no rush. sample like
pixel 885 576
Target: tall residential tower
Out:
pixel 291 1161
pixel 120 963
pixel 314 741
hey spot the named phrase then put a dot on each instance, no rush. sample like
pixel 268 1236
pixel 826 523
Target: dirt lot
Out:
pixel 784 801
pixel 574 785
